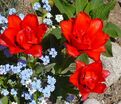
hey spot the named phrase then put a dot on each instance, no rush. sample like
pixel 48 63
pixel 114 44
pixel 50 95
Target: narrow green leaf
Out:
pixel 80 5
pixel 112 30
pixel 70 68
pixel 49 67
pixel 93 4
pixel 108 52
pixel 103 11
pixel 65 8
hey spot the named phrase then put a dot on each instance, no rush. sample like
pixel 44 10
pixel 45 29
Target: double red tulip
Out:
pixel 24 35
pixel 84 35
pixel 89 78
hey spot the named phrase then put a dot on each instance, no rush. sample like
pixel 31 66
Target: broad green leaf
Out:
pixel 80 5
pixel 103 10
pixel 108 52
pixel 65 8
pixel 56 32
pixel 93 4
pixel 83 58
pixel 112 30
pixel 4 100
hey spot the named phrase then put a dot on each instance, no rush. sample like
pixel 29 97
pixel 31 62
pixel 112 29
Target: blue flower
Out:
pixel 36 6
pixel 46 59
pixel 33 102
pixel 12 11
pixel 53 52
pixel 4 92
pixel 13 92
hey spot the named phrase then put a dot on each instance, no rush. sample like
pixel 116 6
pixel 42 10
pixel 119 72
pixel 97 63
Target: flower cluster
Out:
pixel 82 33
pixel 32 84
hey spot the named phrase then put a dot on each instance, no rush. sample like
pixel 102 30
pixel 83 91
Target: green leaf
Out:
pixel 4 100
pixel 83 58
pixel 103 11
pixel 108 52
pixel 49 67
pixel 71 68
pixel 63 87
pixel 93 4
pixel 57 33
pixel 80 5
pixel 112 30
pixel 65 8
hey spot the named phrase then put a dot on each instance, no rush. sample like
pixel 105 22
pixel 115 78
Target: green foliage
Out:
pixel 83 58
pixel 108 52
pixel 56 32
pixel 63 88
pixel 80 5
pixel 112 30
pixel 70 68
pixel 4 100
pixel 65 8
pixel 93 5
pixel 102 11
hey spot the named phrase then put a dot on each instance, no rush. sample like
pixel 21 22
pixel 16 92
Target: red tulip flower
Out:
pixel 89 78
pixel 24 35
pixel 84 35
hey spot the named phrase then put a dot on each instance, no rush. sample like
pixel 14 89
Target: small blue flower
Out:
pixel 26 74
pixel 33 102
pixel 3 20
pixel 12 11
pixel 4 92
pixel 48 21
pixel 70 98
pixel 47 7
pixel 13 92
pixel 45 1
pixel 27 96
pixel 53 52
pixel 46 59
pixel 36 6
pixel 51 80
pixel 21 15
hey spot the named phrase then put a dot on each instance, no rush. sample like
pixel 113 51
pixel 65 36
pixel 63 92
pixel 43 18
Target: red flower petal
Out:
pixel 106 73
pixel 36 50
pixel 66 27
pixel 9 36
pixel 82 23
pixel 14 21
pixel 100 88
pixel 30 20
pixel 74 79
pixel 95 54
pixel 15 50
pixel 102 39
pixel 41 31
pixel 2 42
pixel 79 64
pixel 72 51
pixel 84 92
pixel 95 26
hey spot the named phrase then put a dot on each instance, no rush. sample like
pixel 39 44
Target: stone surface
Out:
pixel 91 101
pixel 113 64
pixel 119 102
